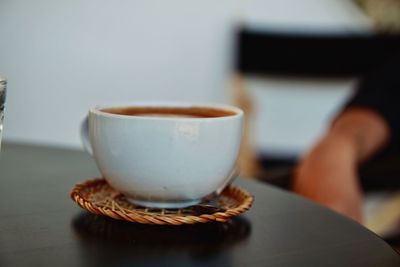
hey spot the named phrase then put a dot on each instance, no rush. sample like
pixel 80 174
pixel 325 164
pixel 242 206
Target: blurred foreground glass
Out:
pixel 3 84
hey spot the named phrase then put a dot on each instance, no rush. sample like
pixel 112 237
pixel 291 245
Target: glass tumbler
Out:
pixel 3 84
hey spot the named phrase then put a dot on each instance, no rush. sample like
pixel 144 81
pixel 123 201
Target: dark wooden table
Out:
pixel 41 226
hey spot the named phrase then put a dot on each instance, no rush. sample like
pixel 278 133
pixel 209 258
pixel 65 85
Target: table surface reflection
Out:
pixel 41 226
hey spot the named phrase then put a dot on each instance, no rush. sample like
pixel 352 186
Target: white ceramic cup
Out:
pixel 165 162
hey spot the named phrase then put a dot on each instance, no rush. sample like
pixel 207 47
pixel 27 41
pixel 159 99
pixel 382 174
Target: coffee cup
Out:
pixel 165 155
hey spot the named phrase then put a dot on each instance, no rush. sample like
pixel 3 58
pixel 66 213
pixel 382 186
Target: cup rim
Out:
pixel 98 110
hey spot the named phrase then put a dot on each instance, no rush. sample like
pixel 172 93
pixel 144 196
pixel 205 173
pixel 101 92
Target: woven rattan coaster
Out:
pixel 98 197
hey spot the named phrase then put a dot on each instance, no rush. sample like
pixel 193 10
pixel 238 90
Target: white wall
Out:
pixel 63 56
pixel 291 114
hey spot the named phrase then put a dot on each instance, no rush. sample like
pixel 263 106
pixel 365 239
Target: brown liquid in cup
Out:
pixel 183 112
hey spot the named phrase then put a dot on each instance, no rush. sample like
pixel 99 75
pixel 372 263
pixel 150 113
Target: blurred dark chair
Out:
pixel 306 55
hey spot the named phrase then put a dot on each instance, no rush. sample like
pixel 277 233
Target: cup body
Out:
pixel 165 162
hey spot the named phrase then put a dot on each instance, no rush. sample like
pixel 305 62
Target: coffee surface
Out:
pixel 174 112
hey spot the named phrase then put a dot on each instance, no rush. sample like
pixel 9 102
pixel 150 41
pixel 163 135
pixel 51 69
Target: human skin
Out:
pixel 327 174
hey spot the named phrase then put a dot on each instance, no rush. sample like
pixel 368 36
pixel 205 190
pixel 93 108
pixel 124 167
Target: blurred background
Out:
pixel 62 57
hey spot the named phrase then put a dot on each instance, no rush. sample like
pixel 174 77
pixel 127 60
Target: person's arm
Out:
pixel 328 173
pixel 369 122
